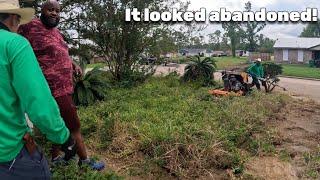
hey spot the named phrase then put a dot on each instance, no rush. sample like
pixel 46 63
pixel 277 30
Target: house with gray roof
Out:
pixel 193 52
pixel 296 50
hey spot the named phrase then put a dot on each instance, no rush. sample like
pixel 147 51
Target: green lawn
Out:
pixel 222 62
pixel 301 71
pixel 230 62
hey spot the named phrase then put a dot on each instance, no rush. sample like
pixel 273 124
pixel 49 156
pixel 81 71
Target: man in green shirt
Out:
pixel 257 73
pixel 23 89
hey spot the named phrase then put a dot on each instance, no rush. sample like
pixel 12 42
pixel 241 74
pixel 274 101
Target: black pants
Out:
pixel 26 167
pixel 255 82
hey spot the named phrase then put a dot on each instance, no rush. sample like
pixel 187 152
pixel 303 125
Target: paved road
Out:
pixel 302 87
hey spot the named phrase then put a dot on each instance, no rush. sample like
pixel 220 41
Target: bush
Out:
pixel 134 76
pixel 317 63
pixel 91 87
pixel 271 69
pixel 200 70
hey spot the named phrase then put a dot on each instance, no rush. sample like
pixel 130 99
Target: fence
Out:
pixel 262 56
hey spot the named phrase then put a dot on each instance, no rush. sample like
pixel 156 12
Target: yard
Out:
pixel 222 62
pixel 301 71
pixel 230 62
pixel 165 128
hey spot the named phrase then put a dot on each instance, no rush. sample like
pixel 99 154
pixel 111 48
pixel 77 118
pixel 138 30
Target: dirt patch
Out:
pixel 298 133
pixel 270 168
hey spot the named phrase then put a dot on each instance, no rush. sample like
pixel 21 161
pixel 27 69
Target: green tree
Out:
pixel 233 31
pixel 224 43
pixel 265 44
pixel 311 30
pixel 32 3
pixel 215 40
pixel 252 29
pixel 104 30
pixel 196 41
pixel 180 39
pixel 163 44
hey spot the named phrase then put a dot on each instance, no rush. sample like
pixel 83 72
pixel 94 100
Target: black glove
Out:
pixel 69 148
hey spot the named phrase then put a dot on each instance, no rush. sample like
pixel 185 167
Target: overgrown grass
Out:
pixel 301 71
pixel 312 161
pixel 72 172
pixel 179 127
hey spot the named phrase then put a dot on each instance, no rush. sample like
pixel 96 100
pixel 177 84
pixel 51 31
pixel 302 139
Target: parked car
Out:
pixel 147 60
pixel 218 53
pixel 151 60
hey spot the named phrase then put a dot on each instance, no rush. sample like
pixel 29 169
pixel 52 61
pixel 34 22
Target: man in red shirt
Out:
pixel 57 66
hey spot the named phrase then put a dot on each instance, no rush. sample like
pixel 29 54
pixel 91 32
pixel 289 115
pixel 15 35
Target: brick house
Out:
pixel 296 50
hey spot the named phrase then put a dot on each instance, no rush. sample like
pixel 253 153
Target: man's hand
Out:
pixel 69 148
pixel 262 79
pixel 77 69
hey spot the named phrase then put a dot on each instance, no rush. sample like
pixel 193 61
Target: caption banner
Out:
pixel 309 15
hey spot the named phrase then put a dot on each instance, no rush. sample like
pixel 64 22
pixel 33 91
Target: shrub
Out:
pixel 133 76
pixel 200 70
pixel 271 69
pixel 91 87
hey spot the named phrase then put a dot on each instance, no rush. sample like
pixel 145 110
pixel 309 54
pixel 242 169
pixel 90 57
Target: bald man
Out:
pixel 58 68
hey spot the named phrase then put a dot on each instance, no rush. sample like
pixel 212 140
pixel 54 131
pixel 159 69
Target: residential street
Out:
pixel 302 87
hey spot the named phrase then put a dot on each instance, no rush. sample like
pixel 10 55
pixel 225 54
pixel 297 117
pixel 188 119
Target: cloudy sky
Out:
pixel 273 31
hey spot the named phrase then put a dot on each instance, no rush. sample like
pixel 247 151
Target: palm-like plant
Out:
pixel 199 69
pixel 91 87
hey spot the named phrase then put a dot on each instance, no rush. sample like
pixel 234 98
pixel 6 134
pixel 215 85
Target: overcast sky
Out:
pixel 273 31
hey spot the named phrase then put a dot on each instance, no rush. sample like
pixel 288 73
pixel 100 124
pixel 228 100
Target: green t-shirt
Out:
pixel 23 89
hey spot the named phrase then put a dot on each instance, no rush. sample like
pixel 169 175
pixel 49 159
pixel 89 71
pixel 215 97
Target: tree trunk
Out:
pixel 233 47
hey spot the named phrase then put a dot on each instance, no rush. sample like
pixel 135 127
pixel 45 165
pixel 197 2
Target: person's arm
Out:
pixel 262 72
pixel 250 70
pixel 33 91
pixel 76 69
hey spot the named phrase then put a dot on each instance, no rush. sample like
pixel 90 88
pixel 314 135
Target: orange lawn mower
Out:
pixel 237 84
